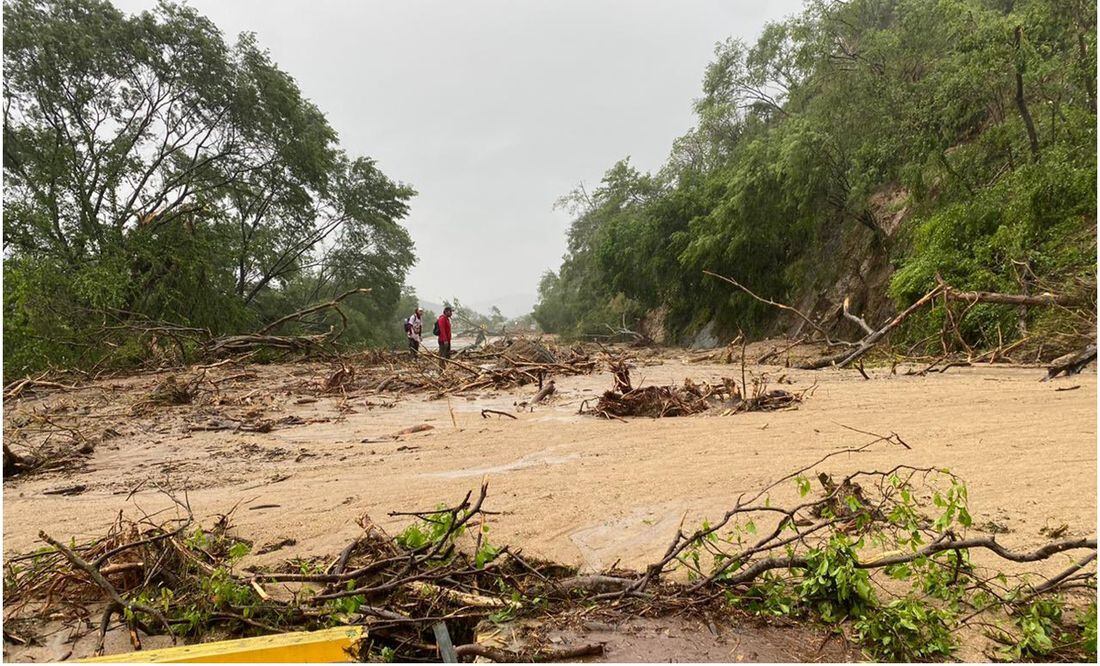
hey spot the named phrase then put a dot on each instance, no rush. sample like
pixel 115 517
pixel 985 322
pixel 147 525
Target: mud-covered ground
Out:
pixel 302 466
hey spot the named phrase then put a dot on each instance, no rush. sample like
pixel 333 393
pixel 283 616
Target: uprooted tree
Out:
pixel 950 337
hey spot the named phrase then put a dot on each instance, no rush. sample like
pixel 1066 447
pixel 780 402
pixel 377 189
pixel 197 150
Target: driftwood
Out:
pixel 866 344
pixel 1071 364
pixel 728 353
pixel 544 393
pixel 15 463
pixel 1008 299
pixel 776 351
pixel 486 412
pixel 18 387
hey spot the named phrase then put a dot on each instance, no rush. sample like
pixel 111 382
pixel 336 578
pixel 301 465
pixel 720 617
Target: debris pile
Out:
pixel 171 577
pixel 689 398
pixel 179 579
pixel 170 391
pixel 499 365
pixel 65 452
pixel 46 442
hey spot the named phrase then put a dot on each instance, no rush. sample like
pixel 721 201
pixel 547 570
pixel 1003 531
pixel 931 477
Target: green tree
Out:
pixel 979 116
pixel 155 172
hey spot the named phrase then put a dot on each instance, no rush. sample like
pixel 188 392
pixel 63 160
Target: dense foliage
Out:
pixel 972 121
pixel 155 172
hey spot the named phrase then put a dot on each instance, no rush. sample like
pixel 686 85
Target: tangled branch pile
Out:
pixel 179 579
pixel 54 453
pixel 500 365
pixel 690 398
pixel 884 555
pixel 45 443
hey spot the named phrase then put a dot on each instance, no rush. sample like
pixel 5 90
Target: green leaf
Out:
pixel 239 550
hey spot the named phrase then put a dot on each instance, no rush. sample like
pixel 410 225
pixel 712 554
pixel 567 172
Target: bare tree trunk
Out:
pixel 1010 299
pixel 845 357
pixel 1021 102
pixel 1090 84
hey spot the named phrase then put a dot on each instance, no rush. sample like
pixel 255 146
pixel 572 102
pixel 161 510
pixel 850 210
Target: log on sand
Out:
pixel 1071 364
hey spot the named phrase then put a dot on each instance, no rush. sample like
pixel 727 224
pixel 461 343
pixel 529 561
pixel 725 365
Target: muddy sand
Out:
pixel 572 488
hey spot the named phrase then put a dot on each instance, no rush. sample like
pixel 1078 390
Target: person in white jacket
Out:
pixel 413 330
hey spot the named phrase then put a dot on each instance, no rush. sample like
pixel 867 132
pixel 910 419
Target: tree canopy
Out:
pixel 977 117
pixel 156 172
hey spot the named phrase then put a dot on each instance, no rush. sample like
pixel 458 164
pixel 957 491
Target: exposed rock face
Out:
pixel 653 325
pixel 855 264
pixel 705 338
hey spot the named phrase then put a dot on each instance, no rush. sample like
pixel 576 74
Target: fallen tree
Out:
pixel 865 345
pixel 1071 364
pixel 825 555
pixel 1009 299
pixel 320 343
pixel 874 337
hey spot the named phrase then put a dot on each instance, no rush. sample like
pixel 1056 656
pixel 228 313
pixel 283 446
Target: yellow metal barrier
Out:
pixel 328 645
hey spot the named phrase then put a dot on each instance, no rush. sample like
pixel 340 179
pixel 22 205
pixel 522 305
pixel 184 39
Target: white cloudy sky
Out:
pixel 494 109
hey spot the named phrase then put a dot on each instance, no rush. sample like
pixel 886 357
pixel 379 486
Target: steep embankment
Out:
pixel 847 262
pixel 853 263
pixel 860 150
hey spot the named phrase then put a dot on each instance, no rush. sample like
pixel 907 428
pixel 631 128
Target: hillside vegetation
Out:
pixel 951 137
pixel 158 178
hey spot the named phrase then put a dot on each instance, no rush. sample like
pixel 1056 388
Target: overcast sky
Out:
pixel 492 110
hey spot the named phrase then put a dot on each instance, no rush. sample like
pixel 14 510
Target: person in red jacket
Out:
pixel 443 332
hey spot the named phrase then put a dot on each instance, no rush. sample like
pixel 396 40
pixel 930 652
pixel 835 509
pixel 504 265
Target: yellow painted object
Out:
pixel 325 646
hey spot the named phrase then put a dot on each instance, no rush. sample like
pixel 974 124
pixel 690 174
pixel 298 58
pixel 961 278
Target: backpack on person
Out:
pixel 435 329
